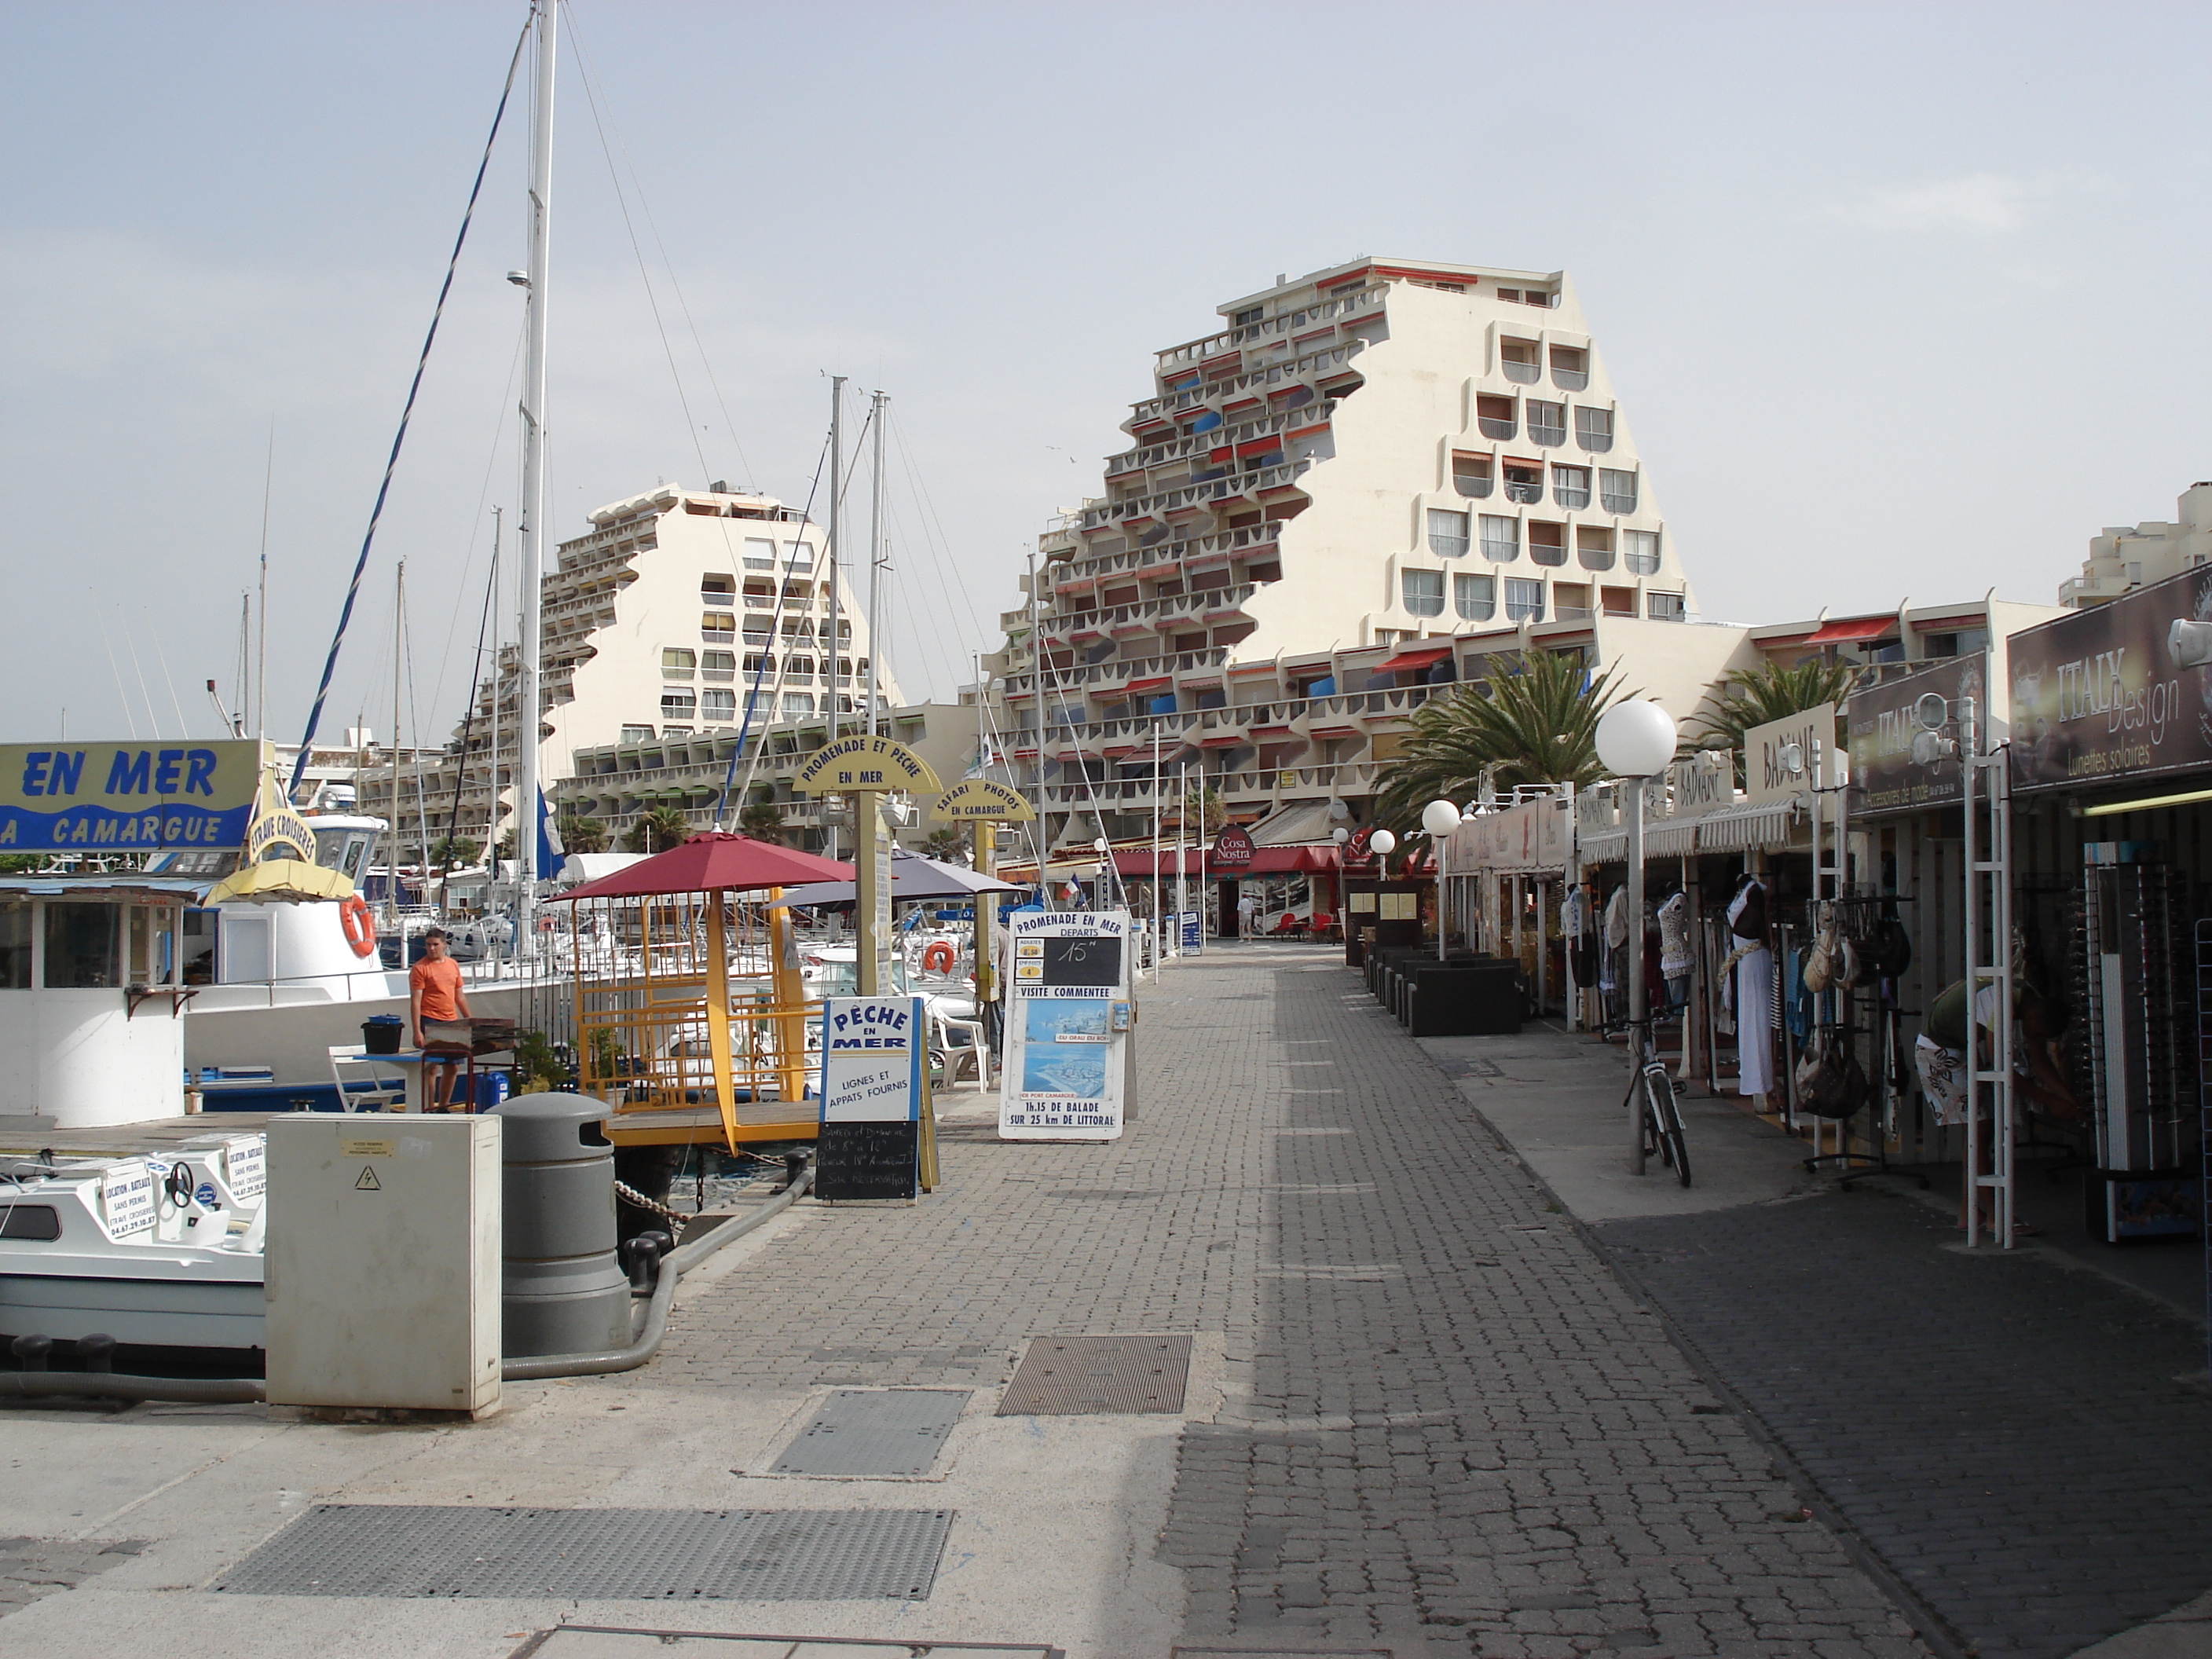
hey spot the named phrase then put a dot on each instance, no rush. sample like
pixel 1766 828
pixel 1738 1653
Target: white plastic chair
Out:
pixel 384 1091
pixel 976 1049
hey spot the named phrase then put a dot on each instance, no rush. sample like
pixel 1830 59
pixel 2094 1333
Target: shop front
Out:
pixel 1502 878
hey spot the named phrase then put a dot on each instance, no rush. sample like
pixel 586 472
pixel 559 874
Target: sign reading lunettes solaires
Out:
pixel 868 1142
pixel 1069 1022
pixel 129 797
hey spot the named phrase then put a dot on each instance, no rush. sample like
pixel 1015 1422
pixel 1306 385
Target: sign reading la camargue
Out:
pixel 128 796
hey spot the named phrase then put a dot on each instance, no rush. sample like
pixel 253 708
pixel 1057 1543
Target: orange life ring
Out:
pixel 360 925
pixel 938 958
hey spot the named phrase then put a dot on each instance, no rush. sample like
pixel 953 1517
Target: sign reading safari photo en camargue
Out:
pixel 2122 690
pixel 127 797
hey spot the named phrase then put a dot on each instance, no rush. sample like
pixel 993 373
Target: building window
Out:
pixel 1424 592
pixel 1570 486
pixel 1665 607
pixel 1547 422
pixel 1251 314
pixel 1548 542
pixel 676 703
pixel 718 590
pixel 718 704
pixel 84 945
pixel 796 705
pixel 1524 482
pixel 1475 598
pixel 14 945
pixel 759 553
pixel 1495 416
pixel 1594 546
pixel 677 664
pixel 1471 474
pixel 1594 429
pixel 1524 599
pixel 1639 551
pixel 1501 538
pixel 635 734
pixel 1447 534
pixel 718 627
pixel 1519 360
pixel 758 662
pixel 798 671
pixel 1616 489
pixel 798 555
pixel 717 665
pixel 1570 367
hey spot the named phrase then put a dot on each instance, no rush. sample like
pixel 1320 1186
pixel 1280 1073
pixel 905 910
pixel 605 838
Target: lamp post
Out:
pixel 1634 741
pixel 1440 818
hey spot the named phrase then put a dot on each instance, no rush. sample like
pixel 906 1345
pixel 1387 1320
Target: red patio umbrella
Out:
pixel 711 862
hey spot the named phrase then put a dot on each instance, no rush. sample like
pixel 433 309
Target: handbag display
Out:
pixel 1831 1082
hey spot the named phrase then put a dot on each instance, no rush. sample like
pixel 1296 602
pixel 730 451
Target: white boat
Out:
pixel 153 1251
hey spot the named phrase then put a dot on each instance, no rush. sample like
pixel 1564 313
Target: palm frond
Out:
pixel 1749 697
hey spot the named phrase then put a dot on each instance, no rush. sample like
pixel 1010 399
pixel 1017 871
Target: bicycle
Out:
pixel 1662 1118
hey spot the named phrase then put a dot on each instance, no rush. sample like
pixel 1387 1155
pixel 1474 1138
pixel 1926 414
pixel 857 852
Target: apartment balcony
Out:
pixel 1296 368
pixel 1492 427
pixel 1521 374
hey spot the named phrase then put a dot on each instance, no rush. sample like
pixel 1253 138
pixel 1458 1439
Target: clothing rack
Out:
pixel 1856 915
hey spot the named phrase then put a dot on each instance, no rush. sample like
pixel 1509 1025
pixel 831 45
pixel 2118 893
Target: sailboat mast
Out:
pixel 398 809
pixel 529 524
pixel 831 545
pixel 498 627
pixel 875 556
pixel 261 663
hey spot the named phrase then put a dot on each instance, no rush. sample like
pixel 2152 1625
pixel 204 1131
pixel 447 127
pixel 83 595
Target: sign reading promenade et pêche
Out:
pixel 862 764
pixel 128 797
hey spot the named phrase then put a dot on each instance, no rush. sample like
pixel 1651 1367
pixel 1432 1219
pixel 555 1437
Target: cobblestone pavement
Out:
pixel 2008 1433
pixel 1451 1429
pixel 33 1567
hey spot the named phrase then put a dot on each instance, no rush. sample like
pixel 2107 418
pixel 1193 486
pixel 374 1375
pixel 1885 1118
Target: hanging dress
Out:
pixel 1754 1002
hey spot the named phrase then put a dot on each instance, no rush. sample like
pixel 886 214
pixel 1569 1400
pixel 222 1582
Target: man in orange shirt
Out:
pixel 441 1014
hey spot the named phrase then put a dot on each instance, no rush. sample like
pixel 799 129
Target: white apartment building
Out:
pixel 676 612
pixel 2121 558
pixel 1364 465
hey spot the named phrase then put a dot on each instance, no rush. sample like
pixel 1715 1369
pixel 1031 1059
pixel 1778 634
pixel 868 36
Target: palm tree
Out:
pixel 1536 723
pixel 1747 697
pixel 948 845
pixel 1201 810
pixel 657 831
pixel 581 835
pixel 763 820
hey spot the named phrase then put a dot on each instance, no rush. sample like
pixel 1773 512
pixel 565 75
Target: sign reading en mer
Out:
pixel 150 799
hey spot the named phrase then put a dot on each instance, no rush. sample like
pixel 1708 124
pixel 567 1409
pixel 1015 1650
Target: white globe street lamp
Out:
pixel 1440 818
pixel 1635 740
pixel 1383 843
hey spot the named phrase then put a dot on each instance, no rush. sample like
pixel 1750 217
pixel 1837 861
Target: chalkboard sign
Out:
pixel 866 1160
pixel 1082 961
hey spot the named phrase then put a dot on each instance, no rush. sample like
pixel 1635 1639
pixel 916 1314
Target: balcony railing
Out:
pixel 1520 373
pixel 1470 486
pixel 1614 501
pixel 1571 496
pixel 1570 380
pixel 1549 433
pixel 1297 368
pixel 1491 426
pixel 1529 494
pixel 1448 547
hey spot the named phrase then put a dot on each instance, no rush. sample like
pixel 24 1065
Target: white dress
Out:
pixel 1754 1013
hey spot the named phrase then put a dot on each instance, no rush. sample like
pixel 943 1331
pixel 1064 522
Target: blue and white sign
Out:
pixel 1194 932
pixel 1068 1015
pixel 872 1054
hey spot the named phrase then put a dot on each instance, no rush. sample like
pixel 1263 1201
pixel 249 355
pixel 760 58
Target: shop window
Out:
pixel 1475 598
pixel 1571 487
pixel 1616 489
pixel 1547 422
pixel 1594 546
pixel 1501 538
pixel 1524 599
pixel 1570 367
pixel 1665 607
pixel 1472 475
pixel 84 945
pixel 1547 542
pixel 1424 592
pixel 1447 534
pixel 1639 551
pixel 1494 416
pixel 14 945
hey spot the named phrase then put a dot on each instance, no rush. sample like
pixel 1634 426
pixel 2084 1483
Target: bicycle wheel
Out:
pixel 1660 1107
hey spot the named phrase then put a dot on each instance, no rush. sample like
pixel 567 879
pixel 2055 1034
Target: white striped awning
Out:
pixel 1766 826
pixel 1606 847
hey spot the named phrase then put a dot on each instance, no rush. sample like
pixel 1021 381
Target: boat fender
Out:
pixel 938 958
pixel 360 925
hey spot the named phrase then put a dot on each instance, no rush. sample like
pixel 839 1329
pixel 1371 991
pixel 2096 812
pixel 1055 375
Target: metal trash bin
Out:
pixel 561 1289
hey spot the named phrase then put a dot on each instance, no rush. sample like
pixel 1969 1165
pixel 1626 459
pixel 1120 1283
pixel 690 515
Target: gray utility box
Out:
pixel 561 1284
pixel 382 1262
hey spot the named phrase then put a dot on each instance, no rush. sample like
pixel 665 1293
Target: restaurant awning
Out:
pixel 1419 657
pixel 1856 627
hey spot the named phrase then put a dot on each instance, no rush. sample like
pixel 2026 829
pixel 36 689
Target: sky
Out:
pixel 1847 264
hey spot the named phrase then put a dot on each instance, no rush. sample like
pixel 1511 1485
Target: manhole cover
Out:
pixel 610 1641
pixel 1073 1376
pixel 585 1555
pixel 883 1433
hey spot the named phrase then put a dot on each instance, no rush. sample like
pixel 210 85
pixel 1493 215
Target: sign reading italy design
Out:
pixel 128 797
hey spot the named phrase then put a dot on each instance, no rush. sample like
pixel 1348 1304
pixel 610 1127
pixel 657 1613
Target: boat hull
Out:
pixel 136 1311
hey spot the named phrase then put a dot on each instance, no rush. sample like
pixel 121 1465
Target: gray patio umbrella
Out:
pixel 913 877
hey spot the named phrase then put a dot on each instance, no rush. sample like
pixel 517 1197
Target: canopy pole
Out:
pixel 718 1015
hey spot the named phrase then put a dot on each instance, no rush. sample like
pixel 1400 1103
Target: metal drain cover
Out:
pixel 1073 1376
pixel 432 1550
pixel 606 1642
pixel 883 1433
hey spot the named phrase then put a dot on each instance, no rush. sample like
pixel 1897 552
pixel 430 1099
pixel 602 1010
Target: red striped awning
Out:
pixel 1858 627
pixel 1160 683
pixel 1419 657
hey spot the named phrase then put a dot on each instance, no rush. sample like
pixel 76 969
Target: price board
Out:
pixel 1069 1016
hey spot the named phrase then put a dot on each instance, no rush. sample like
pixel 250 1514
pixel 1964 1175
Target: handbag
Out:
pixel 1831 1082
pixel 1820 960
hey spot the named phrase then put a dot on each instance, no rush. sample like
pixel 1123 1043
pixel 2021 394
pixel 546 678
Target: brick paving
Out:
pixel 1463 1435
pixel 2009 1434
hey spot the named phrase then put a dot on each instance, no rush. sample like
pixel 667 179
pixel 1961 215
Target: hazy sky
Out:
pixel 1899 300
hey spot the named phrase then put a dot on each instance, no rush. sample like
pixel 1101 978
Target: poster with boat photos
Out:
pixel 1068 1018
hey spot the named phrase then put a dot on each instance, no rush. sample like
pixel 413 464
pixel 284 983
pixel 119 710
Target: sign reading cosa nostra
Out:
pixel 862 764
pixel 128 796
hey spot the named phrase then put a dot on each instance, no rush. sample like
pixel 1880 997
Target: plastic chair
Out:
pixel 952 1057
pixel 384 1091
